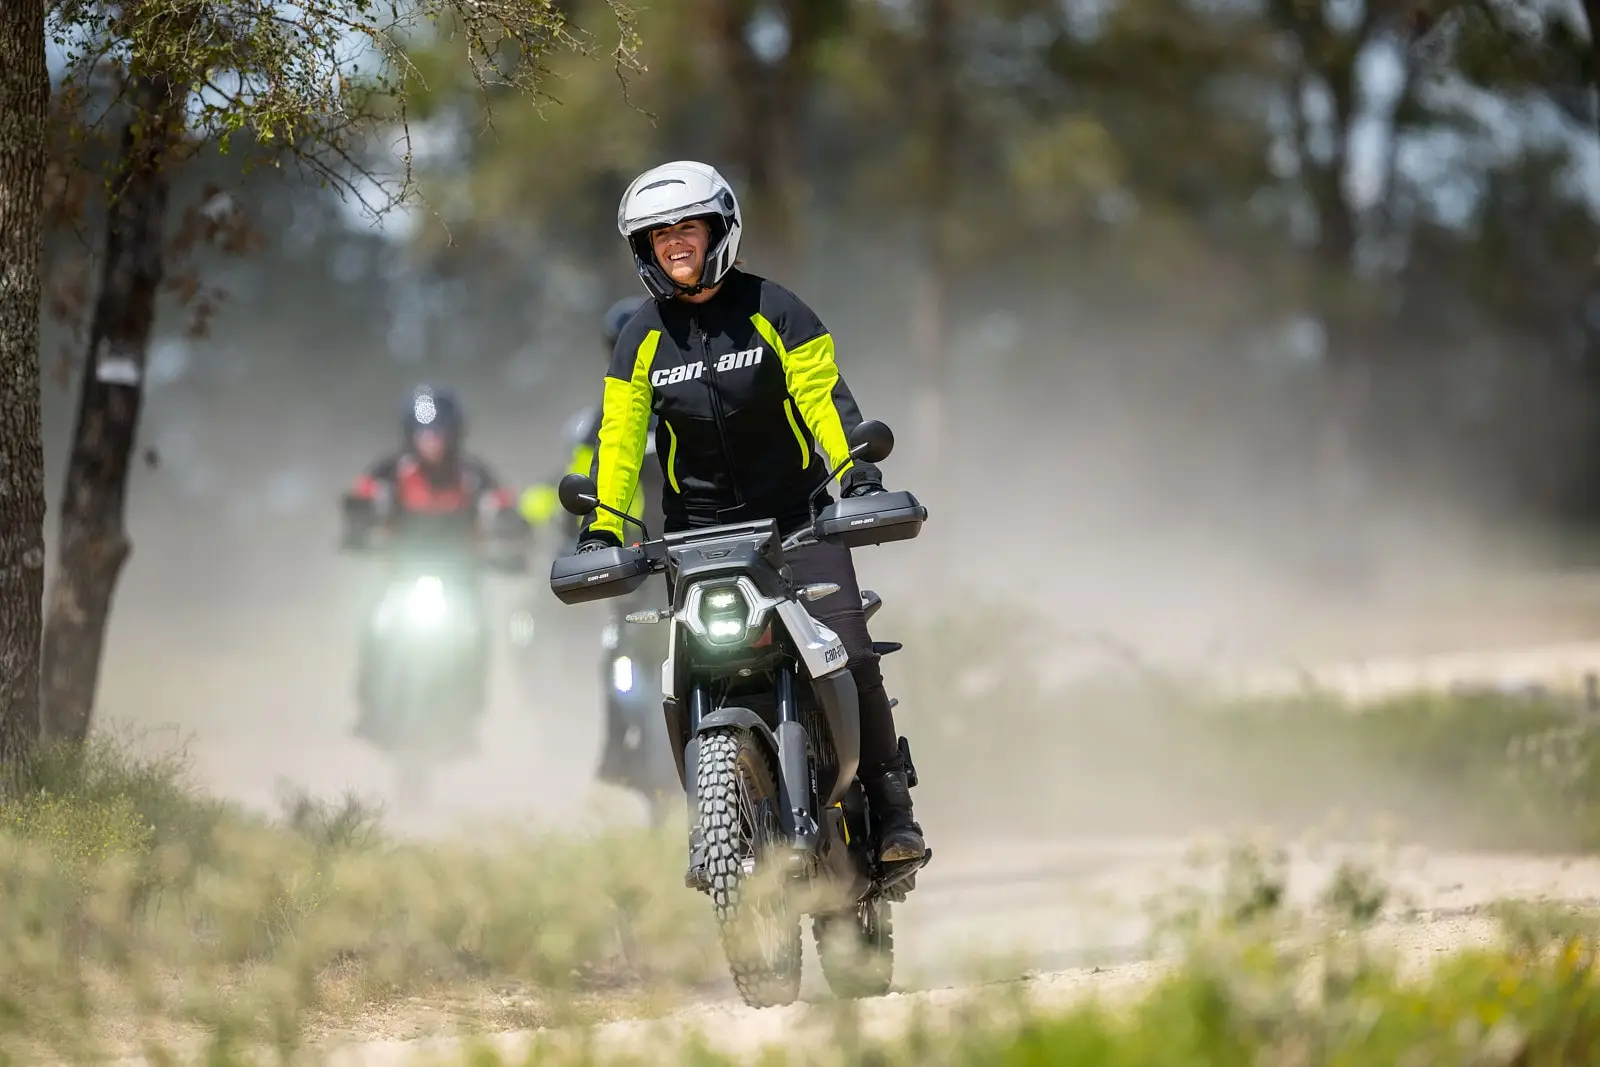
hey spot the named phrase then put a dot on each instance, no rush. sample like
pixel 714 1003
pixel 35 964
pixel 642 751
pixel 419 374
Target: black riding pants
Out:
pixel 841 612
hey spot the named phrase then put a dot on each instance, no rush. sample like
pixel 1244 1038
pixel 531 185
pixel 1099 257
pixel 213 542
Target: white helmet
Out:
pixel 667 195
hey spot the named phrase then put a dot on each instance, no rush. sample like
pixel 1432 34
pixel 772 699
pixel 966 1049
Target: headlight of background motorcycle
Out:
pixel 425 603
pixel 622 674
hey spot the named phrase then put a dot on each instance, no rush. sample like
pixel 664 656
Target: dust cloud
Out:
pixel 1115 486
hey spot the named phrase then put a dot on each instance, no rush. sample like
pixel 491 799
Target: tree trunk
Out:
pixel 1588 504
pixel 24 104
pixel 747 85
pixel 94 544
pixel 931 328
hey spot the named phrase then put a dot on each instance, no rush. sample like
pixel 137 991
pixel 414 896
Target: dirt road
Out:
pixel 1068 919
pixel 1063 922
pixel 1053 910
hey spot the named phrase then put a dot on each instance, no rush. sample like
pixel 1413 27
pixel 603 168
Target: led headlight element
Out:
pixel 726 612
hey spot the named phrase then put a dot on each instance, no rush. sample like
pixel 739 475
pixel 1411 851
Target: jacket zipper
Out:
pixel 716 407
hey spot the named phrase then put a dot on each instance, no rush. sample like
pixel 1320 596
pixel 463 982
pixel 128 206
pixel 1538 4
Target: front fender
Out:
pixel 745 719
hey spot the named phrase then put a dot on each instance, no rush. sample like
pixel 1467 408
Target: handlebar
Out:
pixel 806 535
pixel 870 442
pixel 656 554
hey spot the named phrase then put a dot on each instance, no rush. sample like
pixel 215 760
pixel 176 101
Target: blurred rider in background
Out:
pixel 428 497
pixel 539 504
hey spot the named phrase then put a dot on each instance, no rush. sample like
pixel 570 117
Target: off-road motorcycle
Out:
pixel 425 643
pixel 763 718
pixel 635 753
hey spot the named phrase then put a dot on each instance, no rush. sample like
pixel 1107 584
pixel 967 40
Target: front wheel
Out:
pixel 759 926
pixel 856 948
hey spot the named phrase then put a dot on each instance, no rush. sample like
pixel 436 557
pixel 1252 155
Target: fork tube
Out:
pixel 793 767
pixel 698 706
pixel 785 691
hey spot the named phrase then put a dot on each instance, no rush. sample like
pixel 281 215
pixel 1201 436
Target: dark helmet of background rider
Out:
pixel 430 413
pixel 617 316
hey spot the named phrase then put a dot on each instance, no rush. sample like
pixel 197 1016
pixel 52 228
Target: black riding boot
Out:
pixel 899 836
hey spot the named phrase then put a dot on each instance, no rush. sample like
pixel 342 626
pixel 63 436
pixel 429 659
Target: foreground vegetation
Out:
pixel 1239 1000
pixel 142 915
pixel 139 910
pixel 1256 984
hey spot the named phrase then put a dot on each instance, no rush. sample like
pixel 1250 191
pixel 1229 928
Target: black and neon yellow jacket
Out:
pixel 745 390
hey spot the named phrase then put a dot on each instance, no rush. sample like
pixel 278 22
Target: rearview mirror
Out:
pixel 872 441
pixel 577 494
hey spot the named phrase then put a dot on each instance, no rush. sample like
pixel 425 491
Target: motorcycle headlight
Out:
pixel 425 603
pixel 622 674
pixel 724 615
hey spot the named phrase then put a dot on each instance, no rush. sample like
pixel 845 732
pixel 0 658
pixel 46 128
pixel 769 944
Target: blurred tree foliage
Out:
pixel 1407 177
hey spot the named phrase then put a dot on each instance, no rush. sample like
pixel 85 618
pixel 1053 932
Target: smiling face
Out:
pixel 681 250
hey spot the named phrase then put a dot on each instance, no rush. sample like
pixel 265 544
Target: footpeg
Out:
pixel 896 880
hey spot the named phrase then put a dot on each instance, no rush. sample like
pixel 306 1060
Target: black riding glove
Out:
pixel 595 540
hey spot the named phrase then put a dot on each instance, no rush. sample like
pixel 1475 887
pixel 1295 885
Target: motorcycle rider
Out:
pixel 430 491
pixel 540 504
pixel 740 376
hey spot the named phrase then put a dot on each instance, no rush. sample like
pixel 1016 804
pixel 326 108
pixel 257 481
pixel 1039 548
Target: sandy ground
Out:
pixel 1066 916
pixel 1061 920
pixel 1058 925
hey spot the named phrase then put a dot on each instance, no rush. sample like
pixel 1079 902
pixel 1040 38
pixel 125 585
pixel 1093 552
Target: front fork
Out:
pixel 794 767
pixel 796 788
